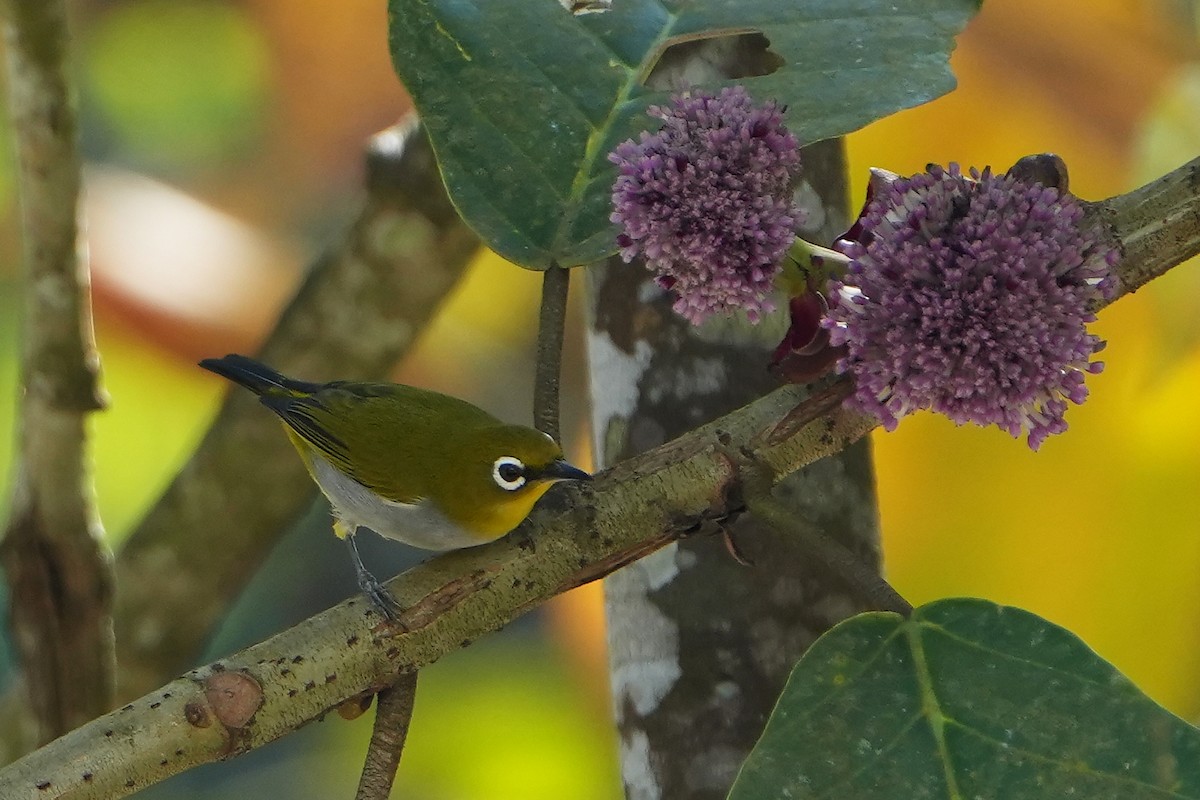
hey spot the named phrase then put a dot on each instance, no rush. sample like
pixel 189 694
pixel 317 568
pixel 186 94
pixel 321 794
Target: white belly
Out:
pixel 418 524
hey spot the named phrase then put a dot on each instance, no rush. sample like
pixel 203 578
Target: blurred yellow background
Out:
pixel 250 117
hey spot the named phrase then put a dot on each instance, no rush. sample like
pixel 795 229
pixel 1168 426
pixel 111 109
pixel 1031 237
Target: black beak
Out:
pixel 562 471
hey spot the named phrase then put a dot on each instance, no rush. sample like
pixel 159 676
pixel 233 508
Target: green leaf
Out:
pixel 523 101
pixel 967 699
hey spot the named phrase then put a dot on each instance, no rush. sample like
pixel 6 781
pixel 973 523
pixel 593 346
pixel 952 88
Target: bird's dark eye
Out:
pixel 508 473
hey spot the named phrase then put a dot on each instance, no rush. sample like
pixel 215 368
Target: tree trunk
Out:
pixel 700 645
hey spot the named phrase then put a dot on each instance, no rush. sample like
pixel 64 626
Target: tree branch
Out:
pixel 552 318
pixel 393 712
pixel 357 313
pixel 579 533
pixel 58 567
pixel 1157 225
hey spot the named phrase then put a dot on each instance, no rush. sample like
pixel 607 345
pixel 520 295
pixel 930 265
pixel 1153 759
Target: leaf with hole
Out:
pixel 967 699
pixel 523 101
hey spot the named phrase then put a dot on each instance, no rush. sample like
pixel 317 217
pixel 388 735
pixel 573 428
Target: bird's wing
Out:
pixel 373 451
pixel 307 417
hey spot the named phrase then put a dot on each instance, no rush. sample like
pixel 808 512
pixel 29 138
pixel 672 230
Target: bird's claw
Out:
pixel 381 599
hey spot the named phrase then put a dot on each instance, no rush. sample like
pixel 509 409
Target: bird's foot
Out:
pixel 381 599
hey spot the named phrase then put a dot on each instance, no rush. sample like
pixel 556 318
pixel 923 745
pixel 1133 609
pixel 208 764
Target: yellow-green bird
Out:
pixel 411 464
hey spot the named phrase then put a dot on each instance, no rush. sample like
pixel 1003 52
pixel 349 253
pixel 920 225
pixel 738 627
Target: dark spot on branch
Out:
pixel 129 784
pixel 108 733
pixel 163 763
pixel 309 686
pixel 128 707
pixel 179 752
pixel 196 715
pixel 330 678
pixel 43 786
pixel 87 777
pixel 353 640
pixel 285 671
pixel 155 704
pixel 291 692
pixel 298 659
pixel 217 666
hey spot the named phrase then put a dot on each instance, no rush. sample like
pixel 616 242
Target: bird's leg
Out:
pixel 380 597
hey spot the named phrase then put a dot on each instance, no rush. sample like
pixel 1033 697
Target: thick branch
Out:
pixel 357 313
pixel 552 319
pixel 58 568
pixel 580 533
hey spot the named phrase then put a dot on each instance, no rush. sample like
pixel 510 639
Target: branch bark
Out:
pixel 58 568
pixel 355 316
pixel 393 713
pixel 1157 225
pixel 578 534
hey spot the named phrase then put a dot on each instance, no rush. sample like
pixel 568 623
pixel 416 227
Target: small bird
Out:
pixel 414 465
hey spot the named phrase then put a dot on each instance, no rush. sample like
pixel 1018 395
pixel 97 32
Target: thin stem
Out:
pixel 870 587
pixel 551 321
pixel 58 567
pixel 393 712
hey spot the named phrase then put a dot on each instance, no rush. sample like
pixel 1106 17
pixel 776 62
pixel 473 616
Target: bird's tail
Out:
pixel 256 376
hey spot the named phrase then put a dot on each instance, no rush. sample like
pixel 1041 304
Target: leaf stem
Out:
pixel 551 321
pixel 871 588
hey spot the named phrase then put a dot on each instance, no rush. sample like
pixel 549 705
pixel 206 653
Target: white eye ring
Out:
pixel 498 471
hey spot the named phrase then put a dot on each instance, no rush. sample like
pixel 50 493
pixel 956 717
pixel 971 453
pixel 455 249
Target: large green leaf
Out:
pixel 523 101
pixel 967 699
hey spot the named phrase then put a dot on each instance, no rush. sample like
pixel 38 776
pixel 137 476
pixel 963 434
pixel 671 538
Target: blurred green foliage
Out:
pixel 178 83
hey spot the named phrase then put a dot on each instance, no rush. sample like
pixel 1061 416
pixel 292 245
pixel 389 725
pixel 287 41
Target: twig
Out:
pixel 358 312
pixel 551 322
pixel 1157 225
pixel 59 570
pixel 866 583
pixel 393 712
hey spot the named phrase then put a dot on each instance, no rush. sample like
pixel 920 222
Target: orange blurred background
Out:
pixel 225 140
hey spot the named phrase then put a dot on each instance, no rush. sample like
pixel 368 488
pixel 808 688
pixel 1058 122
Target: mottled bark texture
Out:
pixel 699 644
pixel 58 568
pixel 358 312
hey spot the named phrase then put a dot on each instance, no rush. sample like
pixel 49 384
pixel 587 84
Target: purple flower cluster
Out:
pixel 970 296
pixel 707 200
